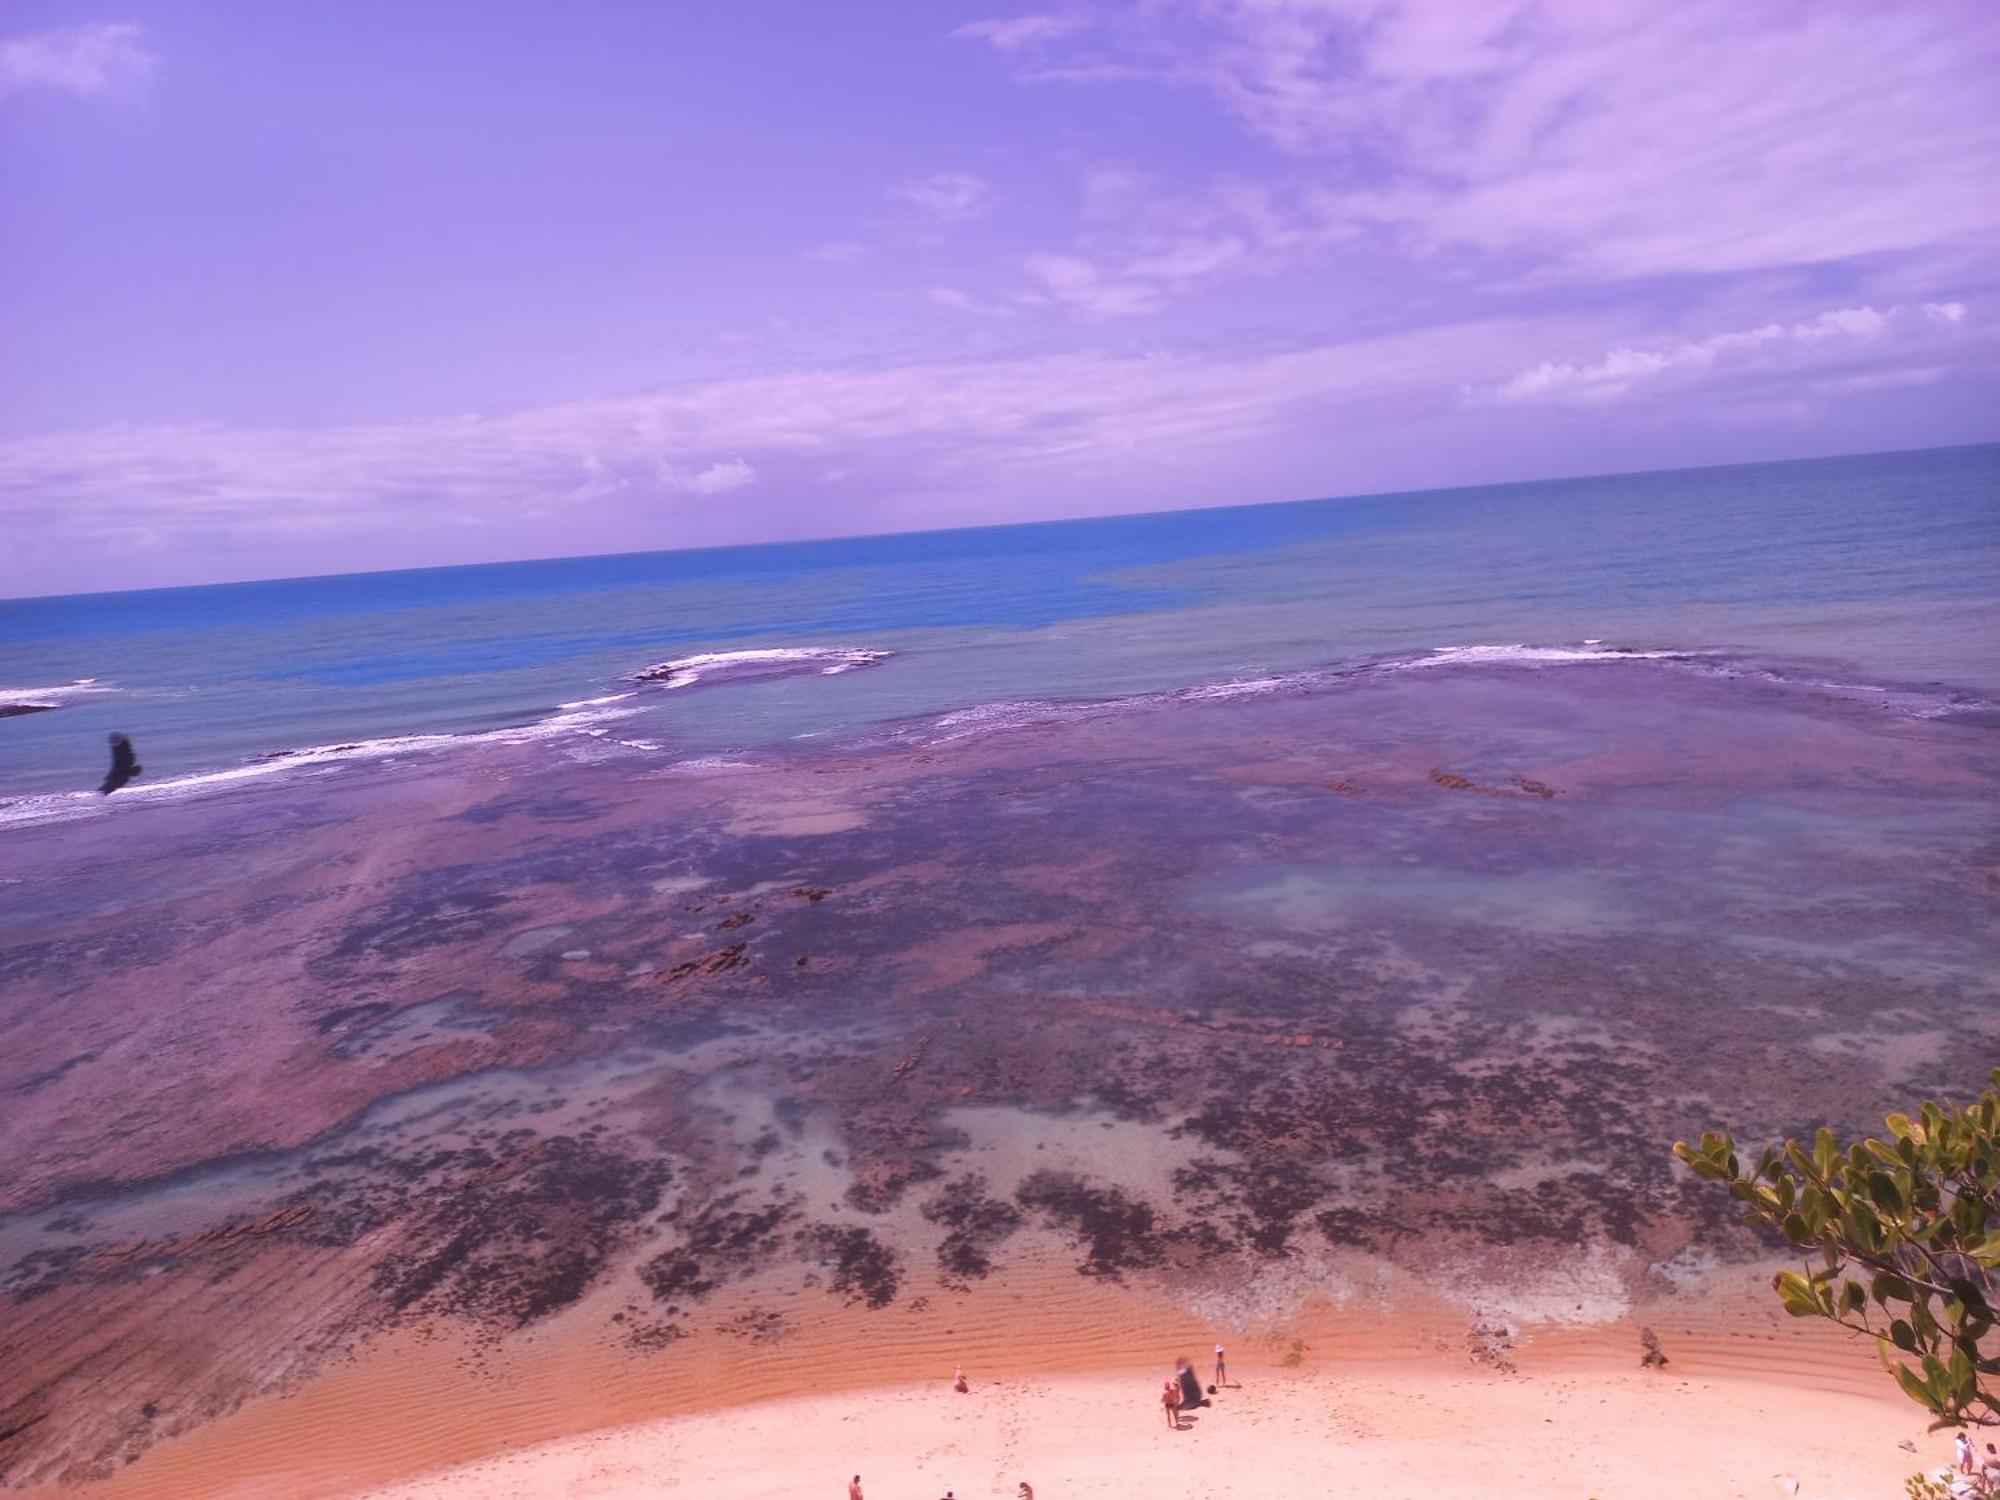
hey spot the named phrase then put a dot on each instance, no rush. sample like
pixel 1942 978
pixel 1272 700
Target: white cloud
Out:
pixel 938 441
pixel 960 300
pixel 939 428
pixel 1014 32
pixel 947 195
pixel 94 58
pixel 1783 345
pixel 718 478
pixel 1647 137
pixel 1075 282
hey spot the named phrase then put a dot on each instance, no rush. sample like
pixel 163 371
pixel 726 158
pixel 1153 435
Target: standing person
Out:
pixel 1221 1369
pixel 1966 1463
pixel 854 1488
pixel 1170 1398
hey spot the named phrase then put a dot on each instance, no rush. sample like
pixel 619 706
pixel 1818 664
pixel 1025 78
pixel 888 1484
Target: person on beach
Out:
pixel 1191 1393
pixel 1221 1369
pixel 1966 1464
pixel 1026 1491
pixel 1170 1398
pixel 1991 1465
pixel 958 1381
pixel 854 1488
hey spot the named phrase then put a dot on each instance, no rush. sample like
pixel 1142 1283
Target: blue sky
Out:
pixel 298 289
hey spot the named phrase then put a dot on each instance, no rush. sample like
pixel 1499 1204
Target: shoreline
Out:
pixel 496 1109
pixel 1389 1431
pixel 587 720
pixel 1563 1422
pixel 428 1416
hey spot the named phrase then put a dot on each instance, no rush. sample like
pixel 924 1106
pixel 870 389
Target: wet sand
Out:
pixel 1361 1387
pixel 380 1121
pixel 1401 1431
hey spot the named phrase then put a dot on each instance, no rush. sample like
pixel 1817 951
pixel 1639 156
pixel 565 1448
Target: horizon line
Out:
pixel 856 536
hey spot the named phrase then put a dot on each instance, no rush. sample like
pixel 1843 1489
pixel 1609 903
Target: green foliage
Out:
pixel 1899 1239
pixel 1923 1487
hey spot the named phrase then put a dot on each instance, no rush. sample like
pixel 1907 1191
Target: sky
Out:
pixel 293 289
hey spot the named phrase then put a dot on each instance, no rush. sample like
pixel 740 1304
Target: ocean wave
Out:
pixel 1523 655
pixel 759 661
pixel 988 718
pixel 1244 687
pixel 588 717
pixel 39 700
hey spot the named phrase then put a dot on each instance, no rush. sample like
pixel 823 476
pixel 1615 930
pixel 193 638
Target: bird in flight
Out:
pixel 124 765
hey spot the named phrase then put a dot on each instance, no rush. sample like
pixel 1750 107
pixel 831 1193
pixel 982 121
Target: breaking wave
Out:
pixel 588 717
pixel 593 719
pixel 40 700
pixel 986 718
pixel 714 667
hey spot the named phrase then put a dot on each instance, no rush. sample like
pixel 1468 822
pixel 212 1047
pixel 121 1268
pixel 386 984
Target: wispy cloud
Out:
pixel 718 478
pixel 1076 283
pixel 1010 34
pixel 1832 334
pixel 947 196
pixel 95 58
pixel 1651 137
pixel 938 429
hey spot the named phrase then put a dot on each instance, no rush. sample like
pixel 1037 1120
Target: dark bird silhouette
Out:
pixel 124 765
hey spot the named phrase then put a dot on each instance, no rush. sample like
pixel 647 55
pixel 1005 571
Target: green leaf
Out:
pixel 1797 1294
pixel 1916 1389
pixel 1888 1287
pixel 1888 1197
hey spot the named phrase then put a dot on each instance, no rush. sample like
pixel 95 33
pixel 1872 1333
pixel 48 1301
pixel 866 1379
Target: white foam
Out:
pixel 985 718
pixel 1526 655
pixel 1242 687
pixel 52 697
pixel 828 661
pixel 702 763
pixel 55 806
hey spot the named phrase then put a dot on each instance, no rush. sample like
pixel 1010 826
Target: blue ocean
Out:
pixel 1882 568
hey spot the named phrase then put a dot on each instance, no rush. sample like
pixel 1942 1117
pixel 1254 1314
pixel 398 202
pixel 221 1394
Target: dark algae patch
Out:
pixel 524 1238
pixel 975 1222
pixel 1411 1018
pixel 721 1239
pixel 861 1268
pixel 1116 1233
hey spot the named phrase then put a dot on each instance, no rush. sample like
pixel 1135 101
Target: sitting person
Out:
pixel 1191 1392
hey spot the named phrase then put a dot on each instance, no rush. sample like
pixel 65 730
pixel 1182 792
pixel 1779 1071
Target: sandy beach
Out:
pixel 1397 1398
pixel 1408 1430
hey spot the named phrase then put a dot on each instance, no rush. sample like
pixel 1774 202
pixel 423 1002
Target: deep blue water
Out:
pixel 1887 565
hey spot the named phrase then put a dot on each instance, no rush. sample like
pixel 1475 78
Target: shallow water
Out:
pixel 1883 565
pixel 1237 989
